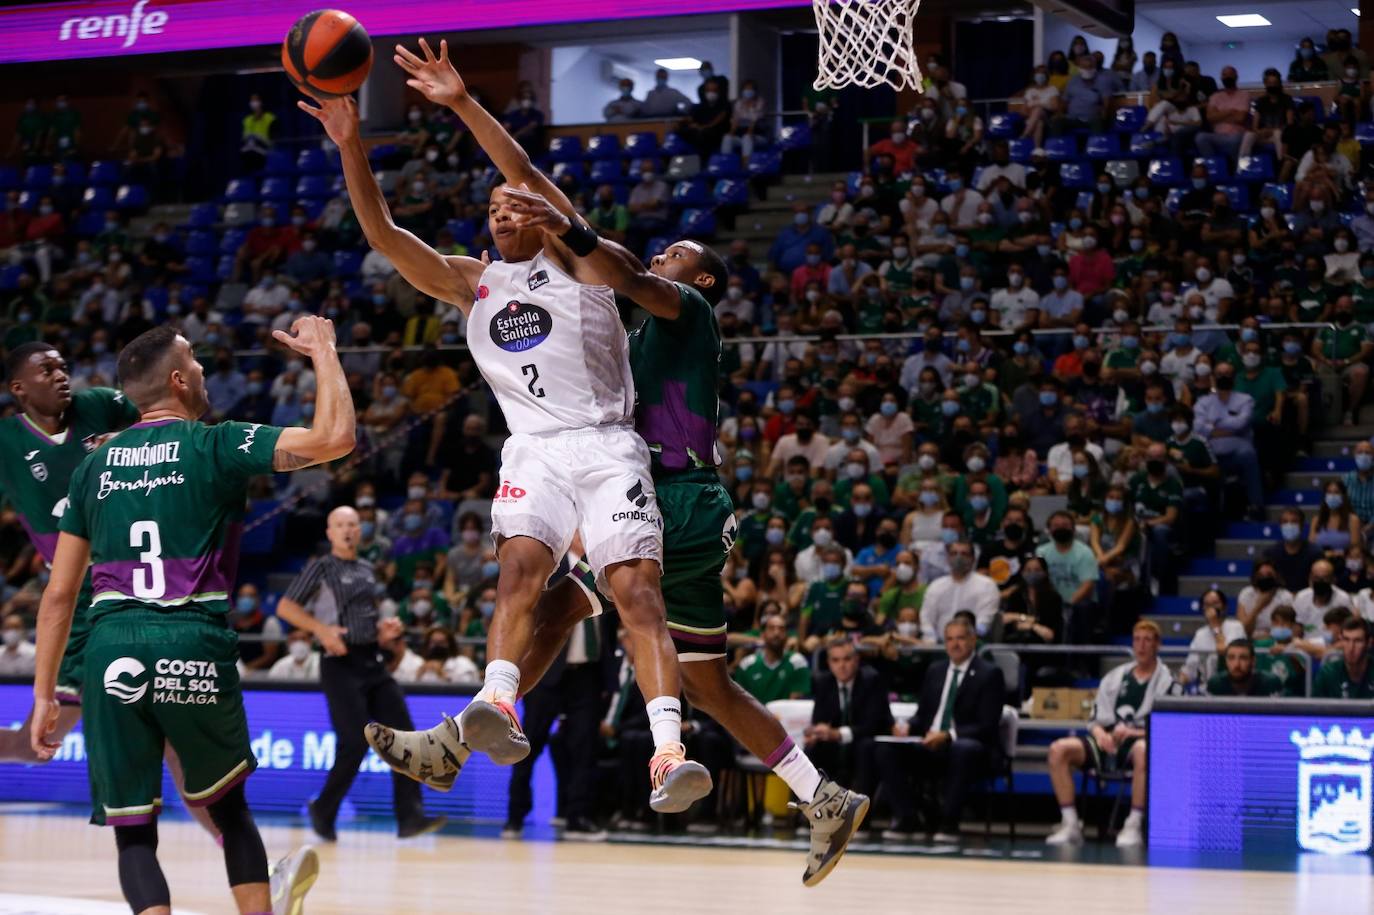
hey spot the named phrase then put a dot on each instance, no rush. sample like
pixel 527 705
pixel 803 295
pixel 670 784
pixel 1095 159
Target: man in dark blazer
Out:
pixel 959 718
pixel 850 710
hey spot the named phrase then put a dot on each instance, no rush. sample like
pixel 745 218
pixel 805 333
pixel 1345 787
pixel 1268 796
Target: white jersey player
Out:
pixel 548 340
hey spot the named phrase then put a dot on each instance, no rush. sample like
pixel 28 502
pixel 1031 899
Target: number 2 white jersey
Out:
pixel 553 350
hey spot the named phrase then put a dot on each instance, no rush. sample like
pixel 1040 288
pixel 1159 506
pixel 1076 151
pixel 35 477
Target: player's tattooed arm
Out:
pixel 285 462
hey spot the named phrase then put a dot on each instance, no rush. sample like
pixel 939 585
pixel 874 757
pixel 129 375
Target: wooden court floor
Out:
pixel 370 872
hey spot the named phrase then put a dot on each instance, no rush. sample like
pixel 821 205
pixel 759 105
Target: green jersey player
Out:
pixel 675 357
pixel 156 513
pixel 40 448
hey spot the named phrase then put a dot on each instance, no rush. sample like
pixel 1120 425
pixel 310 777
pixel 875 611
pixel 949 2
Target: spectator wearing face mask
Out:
pixel 1345 350
pixel 1087 99
pixel 902 590
pixel 418 542
pixel 248 619
pixel 1274 112
pixel 709 119
pixel 823 604
pixel 302 662
pixel 256 136
pixel 1293 555
pixel 789 249
pixel 1034 613
pixel 1320 597
pixel 16 651
pixel 1073 570
pixel 858 472
pixel 961 204
pixel 773 672
pixel 1156 495
pixel 1359 483
pixel 873 564
pixel 1041 99
pixel 663 100
pixel 896 144
pixel 624 107
pixel 961 589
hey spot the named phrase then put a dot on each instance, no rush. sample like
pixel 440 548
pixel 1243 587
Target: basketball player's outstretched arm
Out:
pixel 436 79
pixel 449 279
pixel 608 264
pixel 331 435
pixel 54 627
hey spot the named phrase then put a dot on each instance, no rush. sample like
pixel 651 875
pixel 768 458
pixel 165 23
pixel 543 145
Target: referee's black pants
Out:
pixel 577 697
pixel 359 689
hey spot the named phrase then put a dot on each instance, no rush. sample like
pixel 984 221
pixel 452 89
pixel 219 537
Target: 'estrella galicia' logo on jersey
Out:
pixel 125 692
pixel 538 278
pixel 520 326
pixel 39 471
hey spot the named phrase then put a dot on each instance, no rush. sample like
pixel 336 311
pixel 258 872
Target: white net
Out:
pixel 866 43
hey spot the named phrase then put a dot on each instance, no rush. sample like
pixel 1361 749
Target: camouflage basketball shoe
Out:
pixel 834 815
pixel 433 757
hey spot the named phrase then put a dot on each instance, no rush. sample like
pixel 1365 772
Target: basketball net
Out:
pixel 866 43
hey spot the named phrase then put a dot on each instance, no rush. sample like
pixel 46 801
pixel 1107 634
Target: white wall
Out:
pixel 585 77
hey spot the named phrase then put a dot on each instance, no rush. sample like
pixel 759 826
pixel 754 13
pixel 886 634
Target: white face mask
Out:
pixel 12 637
pixel 904 572
pixel 908 629
pixel 299 650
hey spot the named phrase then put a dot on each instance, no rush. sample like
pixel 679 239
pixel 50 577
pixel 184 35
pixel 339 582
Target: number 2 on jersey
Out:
pixel 532 371
pixel 149 583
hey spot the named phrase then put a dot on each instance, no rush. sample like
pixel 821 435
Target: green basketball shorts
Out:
pixel 156 678
pixel 71 675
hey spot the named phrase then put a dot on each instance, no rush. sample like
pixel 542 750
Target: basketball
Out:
pixel 327 53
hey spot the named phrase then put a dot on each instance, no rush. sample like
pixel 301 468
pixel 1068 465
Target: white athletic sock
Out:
pixel 665 720
pixel 1133 818
pixel 502 681
pixel 1068 815
pixel 797 770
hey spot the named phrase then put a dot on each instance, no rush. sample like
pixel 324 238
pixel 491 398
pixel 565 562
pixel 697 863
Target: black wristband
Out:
pixel 580 238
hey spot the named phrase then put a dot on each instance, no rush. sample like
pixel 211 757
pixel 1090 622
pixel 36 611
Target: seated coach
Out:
pixel 850 710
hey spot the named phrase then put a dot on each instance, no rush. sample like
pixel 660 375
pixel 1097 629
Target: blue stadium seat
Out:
pixel 1123 171
pixel 1218 169
pixel 201 243
pixel 674 145
pixel 697 224
pixel 1083 201
pixel 731 193
pixel 657 245
pixel 691 193
pixel 463 230
pixel 203 215
pixel 9 276
pixel 312 162
pixel 1282 194
pixel 607 171
pixel 9 178
pixel 279 164
pixel 76 174
pixel 131 197
pixel 1021 150
pixel 241 190
pixel 1076 176
pixel 105 172
pixel 1061 149
pixel 38 177
pixel 1130 118
pixel 201 270
pixel 224 268
pixel 1174 199
pixel 574 169
pixel 232 240
pixel 1167 172
pixel 1238 195
pixel 90 223
pixel 28 200
pixel 794 136
pixel 603 146
pixel 381 153
pixel 764 163
pixel 725 165
pixel 641 145
pixel 1006 126
pixel 315 187
pixel 1143 145
pixel 1101 146
pixel 1364 133
pixel 1255 168
pixel 347 263
pixel 277 190
pixel 313 208
pixel 98 198
pixel 565 149
pixel 682 167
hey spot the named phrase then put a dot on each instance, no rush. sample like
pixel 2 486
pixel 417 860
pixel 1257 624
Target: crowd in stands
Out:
pixel 992 390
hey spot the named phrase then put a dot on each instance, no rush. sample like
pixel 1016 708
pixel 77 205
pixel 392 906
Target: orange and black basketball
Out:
pixel 327 53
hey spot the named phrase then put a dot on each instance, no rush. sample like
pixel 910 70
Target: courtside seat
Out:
pixel 1021 149
pixel 277 191
pixel 232 240
pixel 674 144
pixel 312 162
pixel 203 215
pixel 201 270
pixel 606 171
pixel 1238 195
pixel 1144 145
pixel 1123 171
pixel 9 178
pixel 1174 199
pixel 347 263
pixel 574 169
pixel 240 213
pixel 315 187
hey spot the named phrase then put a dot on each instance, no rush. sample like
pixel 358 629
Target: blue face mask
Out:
pixel 1334 500
pixel 1080 471
pixel 1137 244
pixel 1049 398
pixel 378 298
pixel 961 252
pixel 851 434
pixel 254 388
pixel 1364 461
pixel 830 570
pixel 368 528
pixel 979 504
pixel 1020 347
pixel 1292 347
pixel 955 185
pixel 774 536
pixel 963 345
pixel 1061 282
pixel 1080 341
pixel 413 523
pixel 948 535
pixel 1130 341
pixel 786 406
pixel 862 509
pixel 888 409
pixel 245 604
pixel 1113 506
pixel 491 569
pixel 940 230
pixel 1075 224
pixel 1141 193
pixel 1154 406
pixel 965 282
pixel 930 499
pixel 949 407
pixel 978 316
pixel 1281 633
pixel 1181 340
pixel 1247 334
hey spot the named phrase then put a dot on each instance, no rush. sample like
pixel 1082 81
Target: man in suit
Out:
pixel 850 710
pixel 571 688
pixel 958 718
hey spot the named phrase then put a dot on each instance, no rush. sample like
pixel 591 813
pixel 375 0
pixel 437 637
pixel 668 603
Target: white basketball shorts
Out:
pixel 594 481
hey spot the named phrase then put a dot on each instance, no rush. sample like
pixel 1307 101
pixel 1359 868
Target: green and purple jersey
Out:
pixel 162 505
pixel 36 468
pixel 676 366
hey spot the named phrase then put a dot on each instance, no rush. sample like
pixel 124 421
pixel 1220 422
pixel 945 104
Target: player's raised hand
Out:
pixel 310 336
pixel 533 211
pixel 44 718
pixel 433 77
pixel 338 116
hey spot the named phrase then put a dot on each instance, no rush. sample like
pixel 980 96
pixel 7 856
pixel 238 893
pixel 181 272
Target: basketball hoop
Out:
pixel 866 43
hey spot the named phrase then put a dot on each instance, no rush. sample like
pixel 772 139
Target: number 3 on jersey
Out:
pixel 149 583
pixel 532 371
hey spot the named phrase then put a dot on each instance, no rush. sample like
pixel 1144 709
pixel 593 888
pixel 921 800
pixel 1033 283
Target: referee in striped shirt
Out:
pixel 335 599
